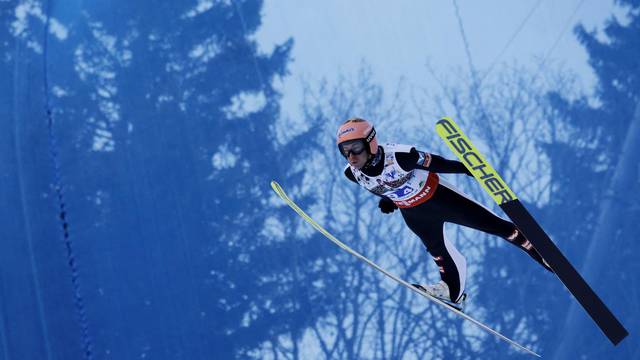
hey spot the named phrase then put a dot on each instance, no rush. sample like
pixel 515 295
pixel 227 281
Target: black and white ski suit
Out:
pixel 407 178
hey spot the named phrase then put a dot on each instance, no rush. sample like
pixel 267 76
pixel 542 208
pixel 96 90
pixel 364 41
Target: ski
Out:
pixel 468 154
pixel 278 190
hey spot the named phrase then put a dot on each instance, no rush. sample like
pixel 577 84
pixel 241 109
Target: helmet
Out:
pixel 358 129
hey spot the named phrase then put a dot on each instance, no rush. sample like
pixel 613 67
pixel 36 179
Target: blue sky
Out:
pixel 397 38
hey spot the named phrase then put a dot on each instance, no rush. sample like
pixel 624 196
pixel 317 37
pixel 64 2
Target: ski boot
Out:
pixel 440 291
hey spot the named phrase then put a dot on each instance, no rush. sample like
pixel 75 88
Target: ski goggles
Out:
pixel 355 147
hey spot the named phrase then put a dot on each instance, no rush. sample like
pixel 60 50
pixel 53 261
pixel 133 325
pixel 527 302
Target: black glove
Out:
pixel 386 205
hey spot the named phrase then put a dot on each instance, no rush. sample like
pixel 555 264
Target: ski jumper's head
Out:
pixel 356 140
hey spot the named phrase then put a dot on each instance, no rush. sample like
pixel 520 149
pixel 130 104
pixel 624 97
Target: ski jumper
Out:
pixel 408 178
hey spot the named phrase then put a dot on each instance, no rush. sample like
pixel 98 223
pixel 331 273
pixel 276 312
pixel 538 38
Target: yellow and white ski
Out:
pixel 495 186
pixel 278 189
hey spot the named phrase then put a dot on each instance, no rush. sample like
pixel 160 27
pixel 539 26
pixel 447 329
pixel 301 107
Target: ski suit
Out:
pixel 408 178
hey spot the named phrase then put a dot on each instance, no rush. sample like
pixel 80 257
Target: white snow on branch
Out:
pixel 206 50
pixel 32 8
pixel 273 229
pixel 103 141
pixel 202 7
pixel 224 158
pixel 244 104
pixel 58 91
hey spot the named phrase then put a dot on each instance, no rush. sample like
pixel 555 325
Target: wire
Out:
pixel 513 37
pixel 253 53
pixel 62 213
pixel 557 41
pixel 465 43
pixel 474 79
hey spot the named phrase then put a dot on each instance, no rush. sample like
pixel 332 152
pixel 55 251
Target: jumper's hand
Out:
pixel 386 205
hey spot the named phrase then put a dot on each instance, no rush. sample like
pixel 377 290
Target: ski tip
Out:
pixel 534 353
